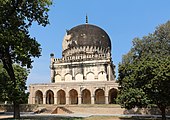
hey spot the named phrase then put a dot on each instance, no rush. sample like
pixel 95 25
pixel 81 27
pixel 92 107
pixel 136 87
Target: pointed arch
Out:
pixel 58 78
pixel 49 97
pixel 68 77
pixel 102 76
pixel 79 77
pixel 61 97
pixel 38 97
pixel 112 96
pixel 73 95
pixel 90 76
pixel 86 96
pixel 99 96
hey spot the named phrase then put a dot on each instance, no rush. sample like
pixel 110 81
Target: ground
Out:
pixel 8 117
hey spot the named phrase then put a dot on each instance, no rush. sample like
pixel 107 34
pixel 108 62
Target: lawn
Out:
pixel 87 118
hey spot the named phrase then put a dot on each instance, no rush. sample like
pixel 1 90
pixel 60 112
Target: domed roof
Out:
pixel 86 35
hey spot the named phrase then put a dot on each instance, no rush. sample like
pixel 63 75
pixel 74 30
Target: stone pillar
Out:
pixel 109 72
pixel 106 99
pixel 92 99
pixel 106 95
pixel 79 99
pixel 95 73
pixel 52 68
pixel 30 100
pixel 67 100
pixel 52 75
pixel 44 99
pixel 33 100
pixel 73 74
pixel 67 96
pixel 55 100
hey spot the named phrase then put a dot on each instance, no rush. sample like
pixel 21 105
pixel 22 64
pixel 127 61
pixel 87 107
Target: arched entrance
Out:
pixel 86 97
pixel 61 97
pixel 38 97
pixel 112 96
pixel 73 96
pixel 99 96
pixel 49 97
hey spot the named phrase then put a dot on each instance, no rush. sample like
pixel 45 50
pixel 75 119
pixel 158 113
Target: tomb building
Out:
pixel 85 72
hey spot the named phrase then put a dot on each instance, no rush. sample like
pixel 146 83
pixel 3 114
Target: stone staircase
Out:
pixel 96 110
pixel 80 109
pixel 52 109
pixel 45 109
pixel 61 110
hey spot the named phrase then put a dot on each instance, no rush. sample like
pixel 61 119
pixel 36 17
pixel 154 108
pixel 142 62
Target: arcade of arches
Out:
pixel 99 96
pixel 85 74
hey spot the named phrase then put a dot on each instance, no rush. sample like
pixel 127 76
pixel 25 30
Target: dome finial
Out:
pixel 86 19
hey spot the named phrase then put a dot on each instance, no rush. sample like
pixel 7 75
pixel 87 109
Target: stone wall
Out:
pixel 114 109
pixel 89 109
pixel 23 108
pixel 106 87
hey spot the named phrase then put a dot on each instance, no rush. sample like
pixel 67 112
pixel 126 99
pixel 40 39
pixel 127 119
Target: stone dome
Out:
pixel 86 35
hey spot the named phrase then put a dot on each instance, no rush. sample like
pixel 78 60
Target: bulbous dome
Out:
pixel 86 35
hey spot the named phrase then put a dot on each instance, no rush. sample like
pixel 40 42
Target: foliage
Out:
pixel 16 16
pixel 16 45
pixel 6 86
pixel 144 73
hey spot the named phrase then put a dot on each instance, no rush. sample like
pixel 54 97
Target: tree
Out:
pixel 6 87
pixel 144 73
pixel 16 45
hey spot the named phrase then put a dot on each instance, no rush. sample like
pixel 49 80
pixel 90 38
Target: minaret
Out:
pixel 52 68
pixel 86 19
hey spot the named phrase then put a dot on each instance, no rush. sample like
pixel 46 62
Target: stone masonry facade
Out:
pixel 84 74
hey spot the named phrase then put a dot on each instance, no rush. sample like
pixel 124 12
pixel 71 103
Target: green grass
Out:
pixel 88 118
pixel 120 118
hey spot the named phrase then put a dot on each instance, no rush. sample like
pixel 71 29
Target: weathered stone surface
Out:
pixel 84 74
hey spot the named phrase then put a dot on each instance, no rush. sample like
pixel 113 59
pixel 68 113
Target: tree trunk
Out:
pixel 7 63
pixel 16 110
pixel 163 113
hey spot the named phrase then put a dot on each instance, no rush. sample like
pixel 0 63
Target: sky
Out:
pixel 123 20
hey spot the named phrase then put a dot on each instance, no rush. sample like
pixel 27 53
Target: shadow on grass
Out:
pixel 46 118
pixel 88 118
pixel 121 118
pixel 141 118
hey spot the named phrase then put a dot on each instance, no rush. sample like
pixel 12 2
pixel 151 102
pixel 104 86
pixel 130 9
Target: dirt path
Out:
pixel 5 116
